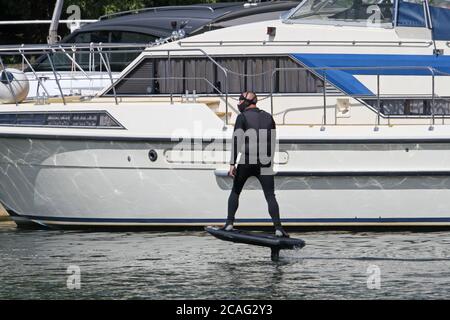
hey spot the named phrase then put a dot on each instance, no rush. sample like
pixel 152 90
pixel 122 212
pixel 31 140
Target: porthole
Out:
pixel 153 155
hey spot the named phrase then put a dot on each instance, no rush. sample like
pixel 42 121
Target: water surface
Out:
pixel 194 265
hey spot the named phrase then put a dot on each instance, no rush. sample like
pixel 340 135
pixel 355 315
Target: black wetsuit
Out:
pixel 256 159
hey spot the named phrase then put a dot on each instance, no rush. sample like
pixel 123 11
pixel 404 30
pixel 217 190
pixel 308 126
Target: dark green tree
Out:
pixel 43 10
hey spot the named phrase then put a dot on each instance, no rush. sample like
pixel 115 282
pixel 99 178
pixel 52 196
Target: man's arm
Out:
pixel 236 142
pixel 273 141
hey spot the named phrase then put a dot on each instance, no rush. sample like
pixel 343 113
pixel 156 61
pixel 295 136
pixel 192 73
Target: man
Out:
pixel 255 131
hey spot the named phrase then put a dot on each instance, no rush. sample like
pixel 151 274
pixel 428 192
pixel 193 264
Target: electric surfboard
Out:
pixel 258 239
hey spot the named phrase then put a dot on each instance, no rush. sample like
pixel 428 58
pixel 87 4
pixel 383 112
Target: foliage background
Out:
pixel 43 9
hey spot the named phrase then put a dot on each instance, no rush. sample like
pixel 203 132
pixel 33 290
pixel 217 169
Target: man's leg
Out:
pixel 268 184
pixel 243 172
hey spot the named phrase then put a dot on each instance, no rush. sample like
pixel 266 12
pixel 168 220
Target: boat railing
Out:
pixel 103 51
pixel 305 43
pixel 321 72
pixel 156 9
pixel 49 51
pixel 40 49
pixel 168 53
pixel 212 86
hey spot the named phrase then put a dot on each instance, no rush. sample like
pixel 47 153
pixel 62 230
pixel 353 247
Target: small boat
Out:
pixel 80 67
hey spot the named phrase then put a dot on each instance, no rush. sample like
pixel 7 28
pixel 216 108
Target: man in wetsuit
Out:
pixel 254 138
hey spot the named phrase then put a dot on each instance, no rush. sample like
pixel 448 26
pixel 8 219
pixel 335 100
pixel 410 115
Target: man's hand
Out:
pixel 232 172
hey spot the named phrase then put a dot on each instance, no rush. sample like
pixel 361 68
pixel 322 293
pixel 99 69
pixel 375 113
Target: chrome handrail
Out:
pixel 24 58
pixel 155 9
pixel 357 97
pixel 102 50
pixel 56 76
pixel 108 69
pixel 352 43
pixel 73 61
pixel 42 47
pixel 206 55
pixel 50 50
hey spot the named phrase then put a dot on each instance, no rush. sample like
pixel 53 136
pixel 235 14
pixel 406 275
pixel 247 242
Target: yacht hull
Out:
pixel 79 183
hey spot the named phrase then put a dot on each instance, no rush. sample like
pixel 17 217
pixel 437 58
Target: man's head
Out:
pixel 246 100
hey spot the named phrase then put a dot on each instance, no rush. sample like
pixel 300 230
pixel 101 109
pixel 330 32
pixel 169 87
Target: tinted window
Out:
pixel 369 12
pixel 60 119
pixel 113 37
pixel 259 74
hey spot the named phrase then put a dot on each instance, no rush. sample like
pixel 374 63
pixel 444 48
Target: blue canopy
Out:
pixel 371 64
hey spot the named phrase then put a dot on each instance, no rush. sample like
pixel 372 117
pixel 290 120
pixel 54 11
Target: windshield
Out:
pixel 368 12
pixel 440 3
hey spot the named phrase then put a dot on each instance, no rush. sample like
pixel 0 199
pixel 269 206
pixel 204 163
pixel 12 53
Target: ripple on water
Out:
pixel 192 265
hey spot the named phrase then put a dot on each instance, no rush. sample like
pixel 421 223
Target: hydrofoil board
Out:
pixel 258 239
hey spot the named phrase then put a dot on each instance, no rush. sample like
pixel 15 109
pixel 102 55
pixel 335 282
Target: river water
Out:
pixel 194 265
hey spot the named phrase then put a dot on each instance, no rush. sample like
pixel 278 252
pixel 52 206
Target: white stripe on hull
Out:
pixel 402 224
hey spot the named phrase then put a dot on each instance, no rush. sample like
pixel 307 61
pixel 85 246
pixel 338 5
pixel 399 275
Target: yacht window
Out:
pixel 440 16
pixel 412 107
pixel 411 13
pixel 261 71
pixel 140 81
pixel 259 74
pixel 236 69
pixel 292 80
pixel 170 75
pixel 202 73
pixel 60 61
pixel 131 37
pixel 92 62
pixel 99 120
pixel 440 3
pixel 96 37
pixel 112 37
pixel 86 60
pixel 367 12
